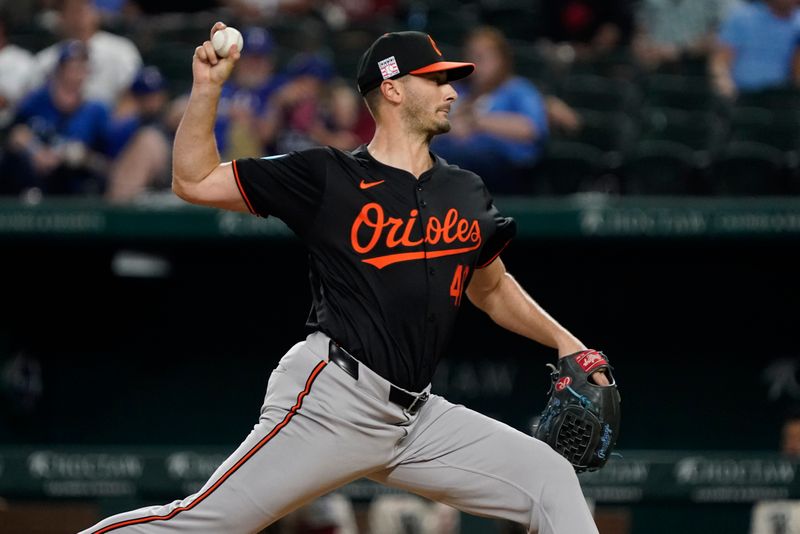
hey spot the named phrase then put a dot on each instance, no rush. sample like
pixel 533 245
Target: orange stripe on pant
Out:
pixel 233 468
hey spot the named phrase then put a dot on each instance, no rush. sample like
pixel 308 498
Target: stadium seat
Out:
pixel 599 93
pixel 619 66
pixel 175 62
pixel 448 22
pixel 681 92
pixel 765 126
pixel 32 39
pixel 695 66
pixel 746 168
pixel 170 29
pixel 750 117
pixel 531 64
pixel 348 45
pixel 517 21
pixel 701 131
pixel 659 168
pixel 567 167
pixel 610 132
pixel 779 98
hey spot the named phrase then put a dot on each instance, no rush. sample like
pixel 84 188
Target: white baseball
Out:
pixel 223 40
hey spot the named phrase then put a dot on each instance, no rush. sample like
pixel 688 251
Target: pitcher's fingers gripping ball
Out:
pixel 224 39
pixel 208 67
pixel 581 419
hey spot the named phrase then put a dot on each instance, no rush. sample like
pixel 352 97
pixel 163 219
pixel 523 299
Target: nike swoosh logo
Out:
pixel 365 185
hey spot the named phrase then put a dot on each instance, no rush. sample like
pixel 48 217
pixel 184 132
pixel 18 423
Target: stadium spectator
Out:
pixel 56 140
pixel 411 514
pixel 17 74
pixel 330 514
pixel 245 96
pixel 253 10
pixel 336 13
pixel 138 140
pixel 111 8
pixel 21 384
pixel 293 116
pixel 757 47
pixel 117 13
pixel 790 434
pixel 585 29
pixel 669 31
pixel 561 116
pixel 140 106
pixel 781 516
pixel 115 60
pixel 363 10
pixel 343 121
pixel 499 121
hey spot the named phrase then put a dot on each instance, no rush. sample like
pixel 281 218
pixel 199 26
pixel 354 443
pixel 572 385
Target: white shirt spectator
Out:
pixel 17 78
pixel 681 22
pixel 114 61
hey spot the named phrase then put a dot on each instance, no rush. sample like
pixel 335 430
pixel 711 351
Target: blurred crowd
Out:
pixel 618 96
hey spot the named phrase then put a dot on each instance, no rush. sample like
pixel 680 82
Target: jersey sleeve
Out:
pixel 505 228
pixel 289 186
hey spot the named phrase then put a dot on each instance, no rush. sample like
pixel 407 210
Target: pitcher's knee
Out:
pixel 561 506
pixel 561 479
pixel 557 479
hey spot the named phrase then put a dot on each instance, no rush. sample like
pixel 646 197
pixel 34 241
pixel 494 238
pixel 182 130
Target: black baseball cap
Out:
pixel 399 53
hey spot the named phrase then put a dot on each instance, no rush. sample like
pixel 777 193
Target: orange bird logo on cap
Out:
pixel 433 44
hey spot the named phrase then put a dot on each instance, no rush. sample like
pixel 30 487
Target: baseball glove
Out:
pixel 581 419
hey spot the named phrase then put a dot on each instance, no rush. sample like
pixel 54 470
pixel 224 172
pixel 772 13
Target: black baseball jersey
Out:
pixel 390 255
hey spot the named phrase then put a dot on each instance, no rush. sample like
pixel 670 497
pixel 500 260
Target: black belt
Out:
pixel 411 403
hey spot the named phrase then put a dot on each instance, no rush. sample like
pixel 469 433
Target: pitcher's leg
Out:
pixel 293 455
pixel 481 466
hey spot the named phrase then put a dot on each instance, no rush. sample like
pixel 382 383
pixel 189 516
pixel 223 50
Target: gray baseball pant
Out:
pixel 320 428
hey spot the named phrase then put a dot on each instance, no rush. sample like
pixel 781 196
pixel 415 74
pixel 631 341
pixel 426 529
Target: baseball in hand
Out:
pixel 223 40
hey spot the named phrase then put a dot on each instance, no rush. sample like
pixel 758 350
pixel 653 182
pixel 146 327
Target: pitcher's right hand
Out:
pixel 208 69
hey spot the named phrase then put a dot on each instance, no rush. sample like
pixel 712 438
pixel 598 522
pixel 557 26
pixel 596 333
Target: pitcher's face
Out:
pixel 426 105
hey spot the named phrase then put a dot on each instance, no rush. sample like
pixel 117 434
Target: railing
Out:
pixel 579 216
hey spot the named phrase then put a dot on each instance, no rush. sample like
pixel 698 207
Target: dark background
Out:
pixel 689 325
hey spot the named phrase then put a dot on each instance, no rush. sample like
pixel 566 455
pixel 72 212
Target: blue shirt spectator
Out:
pixel 252 99
pixel 142 106
pixel 296 112
pixel 140 139
pixel 57 136
pixel 499 122
pixel 516 95
pixel 245 96
pixel 87 123
pixel 120 131
pixel 762 38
